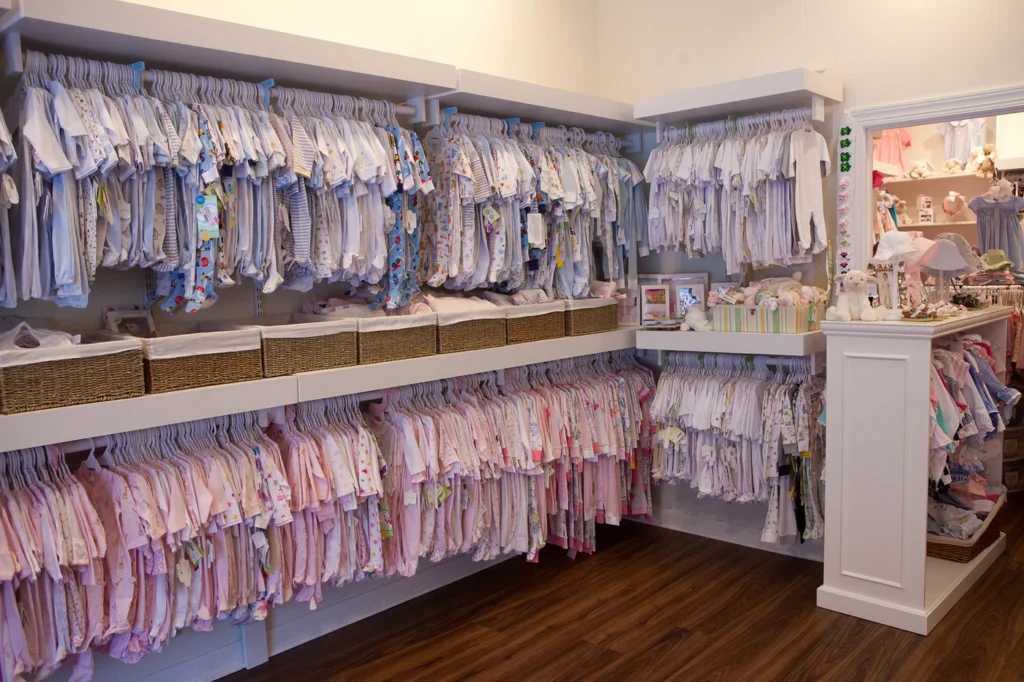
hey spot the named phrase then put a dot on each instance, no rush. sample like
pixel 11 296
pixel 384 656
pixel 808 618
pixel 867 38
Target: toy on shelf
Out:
pixel 852 302
pixel 921 169
pixel 987 163
pixel 696 319
pixel 953 165
pixel 902 216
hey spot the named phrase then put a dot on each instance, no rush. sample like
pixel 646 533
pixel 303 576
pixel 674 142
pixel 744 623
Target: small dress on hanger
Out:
pixel 889 147
pixel 999 227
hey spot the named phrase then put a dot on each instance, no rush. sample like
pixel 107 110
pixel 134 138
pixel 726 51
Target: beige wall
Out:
pixel 883 51
pixel 549 42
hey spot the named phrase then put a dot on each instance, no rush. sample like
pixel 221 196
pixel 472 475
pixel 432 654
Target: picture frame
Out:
pixel 926 216
pixel 655 304
pixel 686 295
pixel 136 323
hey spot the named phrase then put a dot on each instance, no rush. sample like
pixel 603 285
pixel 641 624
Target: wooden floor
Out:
pixel 655 604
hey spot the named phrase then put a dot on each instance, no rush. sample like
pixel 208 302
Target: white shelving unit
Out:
pixel 1010 164
pixel 890 169
pixel 482 93
pixel 163 38
pixel 761 94
pixel 64 424
pixel 939 226
pixel 969 179
pixel 364 378
pixel 732 342
pixel 877 443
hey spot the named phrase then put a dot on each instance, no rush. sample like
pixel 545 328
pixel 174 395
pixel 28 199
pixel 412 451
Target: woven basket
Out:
pixel 397 338
pixel 591 316
pixel 180 362
pixel 964 551
pixel 455 334
pixel 537 322
pixel 95 378
pixel 303 343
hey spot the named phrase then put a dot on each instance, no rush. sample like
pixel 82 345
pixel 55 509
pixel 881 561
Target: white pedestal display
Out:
pixel 877 472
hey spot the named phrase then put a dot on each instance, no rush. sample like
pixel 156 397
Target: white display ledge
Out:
pixel 925 330
pixel 99 419
pixel 363 378
pixel 1010 164
pixel 929 226
pixel 162 38
pixel 732 342
pixel 945 583
pixel 958 178
pixel 890 169
pixel 79 422
pixel 791 89
pixel 487 95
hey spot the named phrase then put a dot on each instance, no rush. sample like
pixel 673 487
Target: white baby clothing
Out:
pixel 807 152
pixel 960 136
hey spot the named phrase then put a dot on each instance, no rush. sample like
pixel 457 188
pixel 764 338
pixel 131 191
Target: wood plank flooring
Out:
pixel 654 604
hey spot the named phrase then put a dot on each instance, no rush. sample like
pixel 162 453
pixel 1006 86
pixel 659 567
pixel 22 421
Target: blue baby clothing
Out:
pixel 999 227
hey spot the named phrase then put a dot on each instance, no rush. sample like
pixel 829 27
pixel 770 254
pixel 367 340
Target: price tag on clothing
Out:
pixel 184 571
pixel 535 230
pixel 490 215
pixel 410 498
pixel 442 494
pixel 11 189
pixel 259 540
pixel 194 552
pixel 409 221
pixel 207 217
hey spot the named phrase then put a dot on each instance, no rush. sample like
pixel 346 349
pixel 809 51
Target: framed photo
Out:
pixel 926 216
pixel 924 203
pixel 137 323
pixel 686 295
pixel 654 304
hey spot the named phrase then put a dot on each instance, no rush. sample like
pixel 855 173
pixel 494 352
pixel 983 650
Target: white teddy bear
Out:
pixel 696 319
pixel 852 303
pixel 921 169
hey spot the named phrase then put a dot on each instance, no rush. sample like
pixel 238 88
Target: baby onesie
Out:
pixel 807 151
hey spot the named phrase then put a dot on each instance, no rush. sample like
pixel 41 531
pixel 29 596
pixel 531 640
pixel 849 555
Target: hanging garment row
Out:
pixel 197 180
pixel 749 188
pixel 737 431
pixel 969 405
pixel 551 210
pixel 179 526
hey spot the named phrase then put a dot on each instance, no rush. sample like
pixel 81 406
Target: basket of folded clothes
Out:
pixel 966 523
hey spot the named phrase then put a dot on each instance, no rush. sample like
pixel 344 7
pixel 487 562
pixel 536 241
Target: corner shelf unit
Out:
pixel 758 95
pixel 78 422
pixel 877 442
pixel 953 179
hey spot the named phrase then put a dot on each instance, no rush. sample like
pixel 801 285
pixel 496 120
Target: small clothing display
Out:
pixel 888 148
pixel 961 136
pixel 999 227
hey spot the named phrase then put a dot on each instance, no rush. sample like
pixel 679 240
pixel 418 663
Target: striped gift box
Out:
pixel 757 320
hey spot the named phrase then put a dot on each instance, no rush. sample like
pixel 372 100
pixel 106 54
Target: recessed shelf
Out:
pixel 163 38
pixel 761 94
pixel 487 95
pixel 732 342
pixel 906 328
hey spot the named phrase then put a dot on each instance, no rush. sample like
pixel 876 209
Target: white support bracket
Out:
pixel 659 131
pixel 818 108
pixel 420 105
pixel 14 61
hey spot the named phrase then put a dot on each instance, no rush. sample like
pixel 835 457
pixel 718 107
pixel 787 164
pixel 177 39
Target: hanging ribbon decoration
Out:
pixel 844 198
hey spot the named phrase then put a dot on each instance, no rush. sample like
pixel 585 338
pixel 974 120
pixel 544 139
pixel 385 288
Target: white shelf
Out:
pixel 487 95
pixel 952 223
pixel 928 330
pixel 99 419
pixel 732 342
pixel 960 178
pixel 760 94
pixel 890 169
pixel 162 38
pixel 945 582
pixel 364 378
pixel 1010 164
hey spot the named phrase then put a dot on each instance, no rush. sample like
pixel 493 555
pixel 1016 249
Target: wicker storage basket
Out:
pixel 303 343
pixel 44 378
pixel 182 361
pixel 386 339
pixel 798 319
pixel 964 551
pixel 591 316
pixel 536 322
pixel 471 330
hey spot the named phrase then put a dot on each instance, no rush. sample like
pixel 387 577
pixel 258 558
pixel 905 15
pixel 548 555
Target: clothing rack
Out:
pixel 604 142
pixel 998 294
pixel 272 92
pixel 752 123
